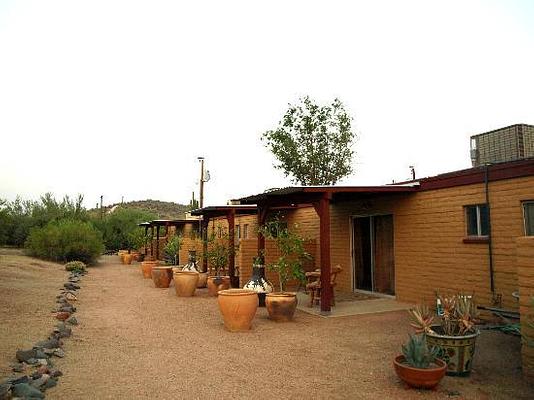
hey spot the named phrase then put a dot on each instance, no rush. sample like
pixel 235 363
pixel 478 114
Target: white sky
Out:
pixel 120 97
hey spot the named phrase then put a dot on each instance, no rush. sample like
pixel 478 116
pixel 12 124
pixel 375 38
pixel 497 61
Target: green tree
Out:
pixel 313 144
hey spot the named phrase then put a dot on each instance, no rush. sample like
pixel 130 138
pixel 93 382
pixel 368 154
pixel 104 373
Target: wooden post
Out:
pixel 262 215
pixel 230 216
pixel 323 209
pixel 204 237
pixel 146 232
pixel 157 242
pixel 152 241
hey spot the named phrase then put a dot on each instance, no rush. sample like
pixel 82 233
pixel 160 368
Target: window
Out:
pixel 245 231
pixel 528 215
pixel 219 232
pixel 237 231
pixel 477 220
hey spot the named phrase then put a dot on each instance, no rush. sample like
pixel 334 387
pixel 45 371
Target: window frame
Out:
pixel 524 203
pixel 478 236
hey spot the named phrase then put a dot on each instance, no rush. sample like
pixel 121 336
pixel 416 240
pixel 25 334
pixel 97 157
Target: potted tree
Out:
pixel 455 333
pixel 217 254
pixel 418 364
pixel 281 305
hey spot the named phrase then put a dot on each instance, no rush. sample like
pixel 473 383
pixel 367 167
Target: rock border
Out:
pixel 35 365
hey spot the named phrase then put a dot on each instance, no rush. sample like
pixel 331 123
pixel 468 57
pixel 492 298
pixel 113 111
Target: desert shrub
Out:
pixel 65 240
pixel 120 228
pixel 75 266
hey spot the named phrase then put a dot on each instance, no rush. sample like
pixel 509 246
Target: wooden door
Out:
pixel 384 260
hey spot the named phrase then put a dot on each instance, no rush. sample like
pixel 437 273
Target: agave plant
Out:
pixel 417 353
pixel 421 318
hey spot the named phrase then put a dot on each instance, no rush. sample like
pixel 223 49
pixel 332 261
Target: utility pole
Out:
pixel 201 200
pixel 101 209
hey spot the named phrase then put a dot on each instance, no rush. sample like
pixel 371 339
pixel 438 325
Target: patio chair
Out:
pixel 313 287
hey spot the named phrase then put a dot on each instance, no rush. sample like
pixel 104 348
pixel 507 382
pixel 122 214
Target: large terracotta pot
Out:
pixel 457 351
pixel 281 306
pixel 146 268
pixel 238 307
pixel 185 283
pixel 217 283
pixel 121 254
pixel 202 280
pixel 417 377
pixel 127 258
pixel 162 276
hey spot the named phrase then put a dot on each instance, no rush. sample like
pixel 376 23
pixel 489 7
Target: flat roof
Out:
pixel 222 210
pixel 164 222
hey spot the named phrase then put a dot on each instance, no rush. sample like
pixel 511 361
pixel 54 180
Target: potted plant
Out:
pixel 217 254
pixel 172 249
pixel 418 364
pixel 455 333
pixel 281 305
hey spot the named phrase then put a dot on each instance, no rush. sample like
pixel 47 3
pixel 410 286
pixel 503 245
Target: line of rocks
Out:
pixel 36 365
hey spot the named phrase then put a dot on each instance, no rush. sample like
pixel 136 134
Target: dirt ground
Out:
pixel 135 341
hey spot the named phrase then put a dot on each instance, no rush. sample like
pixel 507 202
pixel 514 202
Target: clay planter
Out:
pixel 127 258
pixel 162 276
pixel 281 306
pixel 146 268
pixel 456 351
pixel 136 255
pixel 121 254
pixel 185 283
pixel 202 280
pixel 216 283
pixel 238 307
pixel 418 377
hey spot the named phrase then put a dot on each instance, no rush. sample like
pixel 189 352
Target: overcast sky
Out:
pixel 119 98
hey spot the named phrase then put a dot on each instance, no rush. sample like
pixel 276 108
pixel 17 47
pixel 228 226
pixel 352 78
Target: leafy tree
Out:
pixel 313 143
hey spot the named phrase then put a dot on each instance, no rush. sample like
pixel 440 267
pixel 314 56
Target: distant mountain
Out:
pixel 163 209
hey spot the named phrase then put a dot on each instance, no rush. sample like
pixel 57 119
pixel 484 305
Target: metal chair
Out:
pixel 313 287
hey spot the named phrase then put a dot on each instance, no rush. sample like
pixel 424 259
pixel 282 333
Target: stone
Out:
pixel 69 309
pixel 70 296
pixel 37 383
pixel 26 391
pixel 42 361
pixel 55 373
pixel 18 367
pixel 32 361
pixel 59 353
pixel 40 353
pixel 72 320
pixel 25 355
pixel 36 375
pixel 5 391
pixel 17 380
pixel 43 369
pixel 62 315
pixel 71 286
pixel 48 344
pixel 48 352
pixel 50 383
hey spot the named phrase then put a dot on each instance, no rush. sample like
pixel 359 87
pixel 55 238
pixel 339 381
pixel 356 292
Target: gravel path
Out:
pixel 136 342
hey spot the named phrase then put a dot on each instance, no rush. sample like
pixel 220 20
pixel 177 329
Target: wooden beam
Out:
pixel 204 237
pixel 230 217
pixel 152 241
pixel 146 232
pixel 157 242
pixel 323 208
pixel 262 215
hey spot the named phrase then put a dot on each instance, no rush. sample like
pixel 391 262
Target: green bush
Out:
pixel 66 240
pixel 75 266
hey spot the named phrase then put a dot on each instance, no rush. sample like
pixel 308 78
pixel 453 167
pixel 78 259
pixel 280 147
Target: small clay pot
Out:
pixel 427 378
pixel 127 258
pixel 238 307
pixel 121 254
pixel 146 268
pixel 162 276
pixel 217 283
pixel 185 283
pixel 281 306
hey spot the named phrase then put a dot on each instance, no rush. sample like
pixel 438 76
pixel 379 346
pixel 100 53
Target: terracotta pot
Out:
pixel 121 254
pixel 185 283
pixel 216 283
pixel 162 276
pixel 127 258
pixel 457 351
pixel 202 280
pixel 136 255
pixel 146 268
pixel 238 307
pixel 281 306
pixel 418 377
